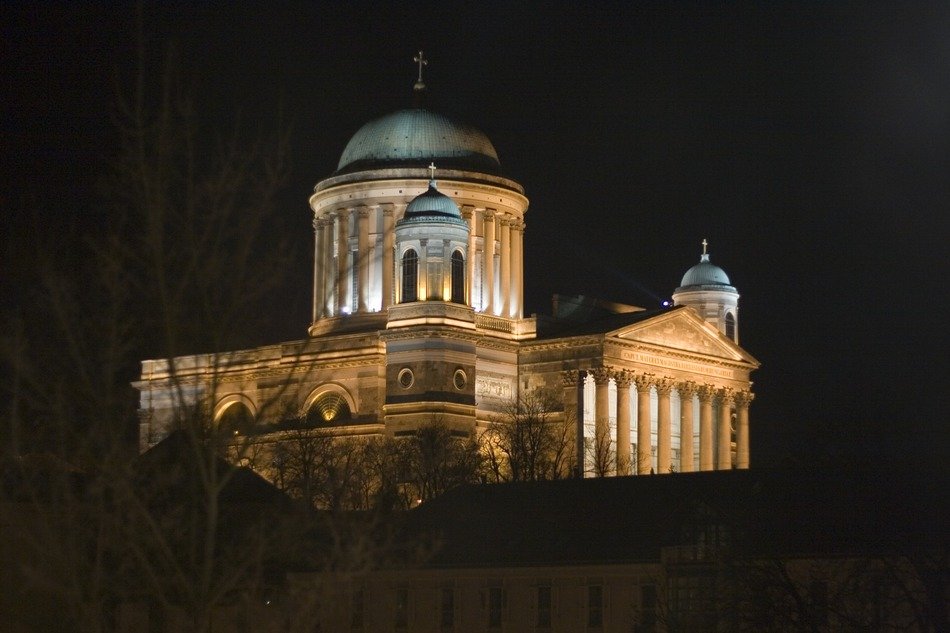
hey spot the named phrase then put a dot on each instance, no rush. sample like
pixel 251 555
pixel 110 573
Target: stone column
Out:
pixel 505 265
pixel 643 383
pixel 623 380
pixel 342 257
pixel 601 419
pixel 724 454
pixel 422 276
pixel 488 268
pixel 362 255
pixel 686 391
pixel 572 381
pixel 468 214
pixel 317 268
pixel 327 273
pixel 742 399
pixel 517 254
pixel 706 393
pixel 663 426
pixel 446 271
pixel 389 244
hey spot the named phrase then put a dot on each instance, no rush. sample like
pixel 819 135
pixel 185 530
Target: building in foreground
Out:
pixel 418 316
pixel 841 549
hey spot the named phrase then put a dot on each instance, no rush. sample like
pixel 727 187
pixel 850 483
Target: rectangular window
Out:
pixel 356 609
pixel 818 595
pixel 647 609
pixel 495 604
pixel 401 619
pixel 544 606
pixel 448 608
pixel 595 606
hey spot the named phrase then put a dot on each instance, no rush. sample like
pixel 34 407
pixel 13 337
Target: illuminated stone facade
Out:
pixel 418 316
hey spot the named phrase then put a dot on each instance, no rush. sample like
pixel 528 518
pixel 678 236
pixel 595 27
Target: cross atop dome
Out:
pixel 419 89
pixel 705 255
pixel 431 169
pixel 422 61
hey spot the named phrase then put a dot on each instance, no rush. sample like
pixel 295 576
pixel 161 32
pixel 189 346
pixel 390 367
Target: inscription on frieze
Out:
pixel 683 365
pixel 497 388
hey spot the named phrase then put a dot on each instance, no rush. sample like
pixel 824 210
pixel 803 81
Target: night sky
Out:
pixel 809 143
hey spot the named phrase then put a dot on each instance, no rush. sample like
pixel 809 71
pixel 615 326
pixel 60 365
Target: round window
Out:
pixel 460 379
pixel 405 378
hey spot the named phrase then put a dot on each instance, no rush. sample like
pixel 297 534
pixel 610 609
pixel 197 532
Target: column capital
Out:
pixel 489 215
pixel 687 389
pixel 317 223
pixel 570 377
pixel 342 213
pixel 743 398
pixel 623 378
pixel 643 382
pixel 705 392
pixel 467 211
pixel 664 386
pixel 388 208
pixel 724 395
pixel 362 211
pixel 601 375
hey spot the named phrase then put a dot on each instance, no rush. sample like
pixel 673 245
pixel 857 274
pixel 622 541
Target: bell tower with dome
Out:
pixel 418 317
pixel 706 288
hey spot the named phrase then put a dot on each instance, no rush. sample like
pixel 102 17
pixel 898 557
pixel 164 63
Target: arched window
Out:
pixel 410 276
pixel 330 408
pixel 237 419
pixel 458 277
pixel 731 325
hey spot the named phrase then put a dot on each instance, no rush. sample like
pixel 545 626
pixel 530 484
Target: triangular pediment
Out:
pixel 683 330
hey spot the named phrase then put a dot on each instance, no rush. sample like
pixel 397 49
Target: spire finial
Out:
pixel 705 244
pixel 431 169
pixel 422 61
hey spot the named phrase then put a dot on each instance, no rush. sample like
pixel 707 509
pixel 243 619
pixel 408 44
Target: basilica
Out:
pixel 417 317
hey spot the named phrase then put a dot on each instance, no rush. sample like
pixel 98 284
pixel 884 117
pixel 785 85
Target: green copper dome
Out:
pixel 416 137
pixel 432 206
pixel 705 273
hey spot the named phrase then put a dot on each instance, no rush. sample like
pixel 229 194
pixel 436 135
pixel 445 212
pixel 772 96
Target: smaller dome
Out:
pixel 432 206
pixel 705 273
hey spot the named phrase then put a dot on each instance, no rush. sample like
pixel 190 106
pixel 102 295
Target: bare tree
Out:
pixel 601 453
pixel 438 460
pixel 530 441
pixel 178 268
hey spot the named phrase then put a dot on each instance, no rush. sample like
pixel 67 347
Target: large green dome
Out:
pixel 417 137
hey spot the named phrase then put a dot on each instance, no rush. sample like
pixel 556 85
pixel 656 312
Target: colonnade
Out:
pixel 715 435
pixel 364 237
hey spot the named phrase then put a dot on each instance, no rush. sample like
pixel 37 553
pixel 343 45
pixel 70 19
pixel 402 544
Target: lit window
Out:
pixel 458 277
pixel 330 407
pixel 731 326
pixel 410 276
